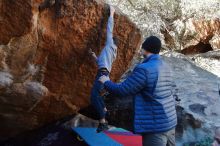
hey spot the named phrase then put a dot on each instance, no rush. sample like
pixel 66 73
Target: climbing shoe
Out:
pixel 102 127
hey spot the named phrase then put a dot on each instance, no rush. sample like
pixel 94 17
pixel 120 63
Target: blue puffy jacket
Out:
pixel 151 84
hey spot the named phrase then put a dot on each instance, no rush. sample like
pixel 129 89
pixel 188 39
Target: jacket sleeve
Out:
pixel 133 84
pixel 110 27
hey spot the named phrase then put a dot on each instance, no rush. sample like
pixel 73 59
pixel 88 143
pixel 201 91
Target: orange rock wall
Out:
pixel 45 53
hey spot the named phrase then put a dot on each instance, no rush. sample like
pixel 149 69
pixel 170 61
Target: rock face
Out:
pixel 45 72
pixel 199 40
pixel 198 111
pixel 54 134
pixel 188 26
pixel 194 36
pixel 208 32
pixel 209 61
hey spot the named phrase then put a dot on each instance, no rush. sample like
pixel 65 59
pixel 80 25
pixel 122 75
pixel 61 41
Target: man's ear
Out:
pixel 145 52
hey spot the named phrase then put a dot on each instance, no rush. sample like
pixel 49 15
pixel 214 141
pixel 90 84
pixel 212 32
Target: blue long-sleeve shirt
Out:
pixel 109 52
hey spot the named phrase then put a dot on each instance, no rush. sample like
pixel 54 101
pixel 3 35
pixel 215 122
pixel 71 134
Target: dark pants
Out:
pixel 159 139
pixel 96 99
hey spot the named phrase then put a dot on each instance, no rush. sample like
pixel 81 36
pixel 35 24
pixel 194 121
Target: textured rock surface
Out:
pixel 45 72
pixel 189 27
pixel 55 134
pixel 193 36
pixel 185 25
pixel 200 100
pixel 209 61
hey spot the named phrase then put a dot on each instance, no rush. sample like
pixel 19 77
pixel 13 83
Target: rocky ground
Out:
pixel 54 134
pixel 200 100
pixel 60 133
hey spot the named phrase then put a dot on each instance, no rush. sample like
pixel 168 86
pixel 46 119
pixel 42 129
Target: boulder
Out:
pixel 209 61
pixel 45 71
pixel 193 36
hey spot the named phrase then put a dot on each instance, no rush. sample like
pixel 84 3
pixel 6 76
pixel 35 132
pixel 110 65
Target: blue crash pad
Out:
pixel 92 138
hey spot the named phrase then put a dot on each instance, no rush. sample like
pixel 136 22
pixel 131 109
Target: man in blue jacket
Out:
pixel 154 106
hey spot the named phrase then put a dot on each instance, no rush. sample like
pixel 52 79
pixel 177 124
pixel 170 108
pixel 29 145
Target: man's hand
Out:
pixel 91 52
pixel 103 79
pixel 112 11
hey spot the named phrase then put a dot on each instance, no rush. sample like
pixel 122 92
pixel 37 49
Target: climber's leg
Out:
pixel 103 92
pixel 98 101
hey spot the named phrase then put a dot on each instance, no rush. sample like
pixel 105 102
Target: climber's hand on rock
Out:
pixel 112 11
pixel 91 52
pixel 103 79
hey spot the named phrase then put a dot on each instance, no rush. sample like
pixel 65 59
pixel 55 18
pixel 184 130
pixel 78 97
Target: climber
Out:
pixel 154 106
pixel 216 141
pixel 104 62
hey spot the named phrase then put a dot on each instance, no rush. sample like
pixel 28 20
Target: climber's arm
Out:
pixel 110 26
pixel 93 55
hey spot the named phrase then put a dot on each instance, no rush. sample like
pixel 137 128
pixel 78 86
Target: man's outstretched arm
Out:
pixel 110 26
pixel 133 84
